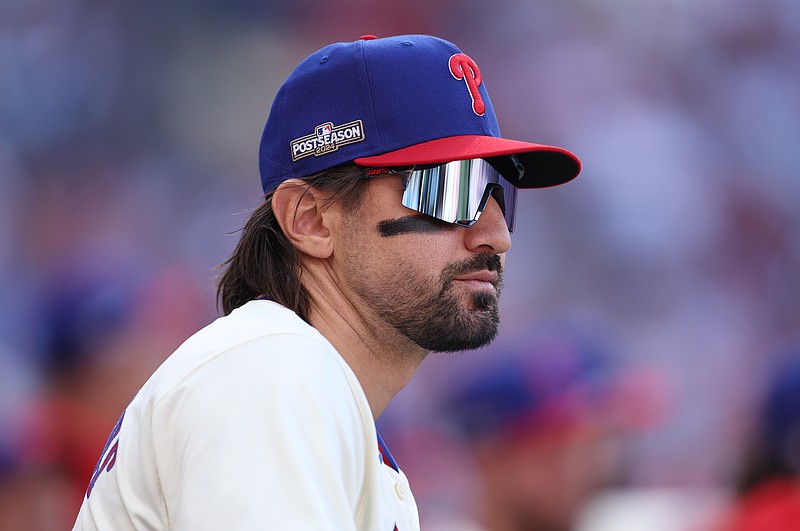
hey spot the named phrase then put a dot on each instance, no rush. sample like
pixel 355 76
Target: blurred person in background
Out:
pixel 768 493
pixel 544 419
pixel 106 324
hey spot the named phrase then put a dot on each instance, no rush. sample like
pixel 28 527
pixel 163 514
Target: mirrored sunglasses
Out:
pixel 455 192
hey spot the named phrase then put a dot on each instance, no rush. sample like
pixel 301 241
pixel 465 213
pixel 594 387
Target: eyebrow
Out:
pixel 412 224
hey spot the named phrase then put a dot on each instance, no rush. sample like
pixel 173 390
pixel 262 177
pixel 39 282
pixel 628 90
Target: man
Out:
pixel 382 237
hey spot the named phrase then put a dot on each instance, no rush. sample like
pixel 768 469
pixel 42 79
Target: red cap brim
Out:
pixel 544 165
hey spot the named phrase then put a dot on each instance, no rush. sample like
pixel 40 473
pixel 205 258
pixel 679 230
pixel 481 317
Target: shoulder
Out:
pixel 261 351
pixel 260 339
pixel 259 369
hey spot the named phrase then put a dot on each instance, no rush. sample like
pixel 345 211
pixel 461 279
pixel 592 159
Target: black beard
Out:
pixel 441 322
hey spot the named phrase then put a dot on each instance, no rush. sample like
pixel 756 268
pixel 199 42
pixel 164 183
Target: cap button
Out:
pixel 367 38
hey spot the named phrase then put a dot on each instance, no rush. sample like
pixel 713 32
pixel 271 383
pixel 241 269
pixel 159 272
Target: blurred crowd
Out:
pixel 646 376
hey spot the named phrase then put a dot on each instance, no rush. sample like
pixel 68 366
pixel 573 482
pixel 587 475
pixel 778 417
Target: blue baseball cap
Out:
pixel 551 379
pixel 396 101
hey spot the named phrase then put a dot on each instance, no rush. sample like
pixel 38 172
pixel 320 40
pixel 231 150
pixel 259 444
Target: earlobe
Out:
pixel 299 211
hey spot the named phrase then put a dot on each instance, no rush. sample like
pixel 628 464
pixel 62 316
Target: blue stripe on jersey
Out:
pixel 385 455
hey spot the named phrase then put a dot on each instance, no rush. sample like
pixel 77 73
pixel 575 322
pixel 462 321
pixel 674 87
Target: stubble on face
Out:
pixel 456 324
pixel 430 310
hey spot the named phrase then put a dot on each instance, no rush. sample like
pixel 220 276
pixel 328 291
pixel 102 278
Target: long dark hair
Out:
pixel 265 263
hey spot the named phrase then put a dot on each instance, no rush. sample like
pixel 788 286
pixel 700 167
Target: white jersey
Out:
pixel 255 422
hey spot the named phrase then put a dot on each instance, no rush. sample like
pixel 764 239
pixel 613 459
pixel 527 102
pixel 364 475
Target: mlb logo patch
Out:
pixel 326 138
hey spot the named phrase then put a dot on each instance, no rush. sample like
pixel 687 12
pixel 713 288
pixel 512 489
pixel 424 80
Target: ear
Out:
pixel 298 208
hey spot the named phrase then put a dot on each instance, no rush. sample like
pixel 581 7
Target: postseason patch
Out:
pixel 327 138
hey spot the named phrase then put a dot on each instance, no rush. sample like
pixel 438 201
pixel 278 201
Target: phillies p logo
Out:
pixel 463 67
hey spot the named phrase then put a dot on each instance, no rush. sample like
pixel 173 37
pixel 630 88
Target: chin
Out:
pixel 485 300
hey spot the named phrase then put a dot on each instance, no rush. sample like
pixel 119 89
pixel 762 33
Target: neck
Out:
pixel 382 359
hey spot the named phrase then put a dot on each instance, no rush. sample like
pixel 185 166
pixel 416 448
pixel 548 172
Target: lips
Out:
pixel 480 276
pixel 479 271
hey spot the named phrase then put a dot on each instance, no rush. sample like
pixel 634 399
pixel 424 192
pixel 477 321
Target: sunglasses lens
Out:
pixel 457 192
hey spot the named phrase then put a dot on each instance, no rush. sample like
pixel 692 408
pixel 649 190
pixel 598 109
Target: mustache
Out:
pixel 479 262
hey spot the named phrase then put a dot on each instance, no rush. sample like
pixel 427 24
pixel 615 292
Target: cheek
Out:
pixel 373 259
pixel 415 244
pixel 429 253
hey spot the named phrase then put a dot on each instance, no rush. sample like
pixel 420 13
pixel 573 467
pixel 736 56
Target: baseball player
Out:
pixel 389 199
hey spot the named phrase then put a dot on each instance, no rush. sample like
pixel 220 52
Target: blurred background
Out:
pixel 643 379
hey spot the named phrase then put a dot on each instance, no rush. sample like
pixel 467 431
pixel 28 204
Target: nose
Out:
pixel 490 232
